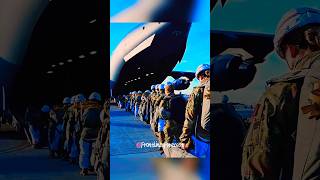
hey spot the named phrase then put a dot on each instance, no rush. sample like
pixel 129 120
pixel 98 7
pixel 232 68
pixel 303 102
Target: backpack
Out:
pixel 263 137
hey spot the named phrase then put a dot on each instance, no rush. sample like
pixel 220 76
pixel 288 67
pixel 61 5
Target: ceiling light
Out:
pixel 151 73
pixel 61 63
pixel 139 68
pixel 49 72
pixel 53 65
pixel 147 74
pixel 82 56
pixel 69 60
pixel 92 21
pixel 139 78
pixel 93 52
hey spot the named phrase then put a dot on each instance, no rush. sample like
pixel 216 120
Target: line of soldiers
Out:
pixel 172 117
pixel 76 131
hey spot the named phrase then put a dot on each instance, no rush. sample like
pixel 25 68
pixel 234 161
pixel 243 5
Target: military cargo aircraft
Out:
pixel 148 55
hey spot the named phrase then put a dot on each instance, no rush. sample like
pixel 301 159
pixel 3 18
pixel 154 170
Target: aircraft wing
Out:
pixel 257 45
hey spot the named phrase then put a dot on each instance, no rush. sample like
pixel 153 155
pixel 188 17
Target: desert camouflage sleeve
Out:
pixel 191 114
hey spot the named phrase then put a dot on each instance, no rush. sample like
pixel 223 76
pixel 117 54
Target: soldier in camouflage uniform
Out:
pixel 90 129
pixel 194 108
pixel 102 149
pixel 143 109
pixel 283 139
pixel 75 119
pixel 132 101
pixel 56 128
pixel 172 109
pixel 147 111
pixel 67 102
pixel 127 102
pixel 68 128
pixel 137 102
pixel 151 97
pixel 159 123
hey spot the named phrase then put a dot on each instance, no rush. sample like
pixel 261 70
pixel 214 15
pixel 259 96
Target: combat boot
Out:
pixel 161 140
pixel 84 172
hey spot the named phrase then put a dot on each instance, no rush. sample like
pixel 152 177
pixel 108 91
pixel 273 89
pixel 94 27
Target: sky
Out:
pixel 198 44
pixel 259 16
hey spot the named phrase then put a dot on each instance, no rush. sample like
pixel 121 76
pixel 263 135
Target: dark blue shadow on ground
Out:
pixel 120 112
pixel 22 165
pixel 130 125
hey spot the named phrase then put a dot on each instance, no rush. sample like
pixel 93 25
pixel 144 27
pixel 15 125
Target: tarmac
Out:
pixel 19 161
pixel 128 159
pixel 128 134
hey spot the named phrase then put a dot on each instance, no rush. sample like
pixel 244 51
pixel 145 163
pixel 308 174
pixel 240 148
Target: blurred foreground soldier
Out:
pixel 137 102
pixel 91 125
pixel 228 133
pixel 172 109
pixel 194 137
pixel 283 141
pixel 33 124
pixel 102 148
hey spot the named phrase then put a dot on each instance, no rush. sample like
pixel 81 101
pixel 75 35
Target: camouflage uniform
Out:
pixel 157 100
pixel 205 116
pixel 193 114
pixel 127 102
pixel 151 104
pixel 68 128
pixel 137 103
pixel 74 122
pixel 148 102
pixel 102 148
pixel 143 109
pixel 171 109
pixel 55 130
pixel 283 138
pixel 90 130
pixel 132 97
